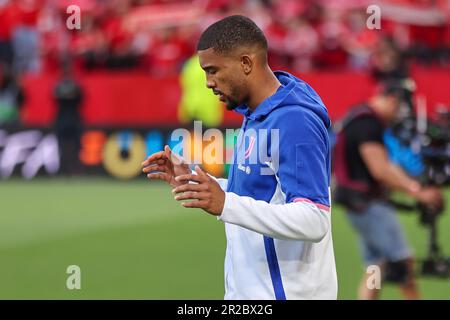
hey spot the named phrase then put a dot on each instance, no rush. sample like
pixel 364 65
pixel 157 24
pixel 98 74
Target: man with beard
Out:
pixel 276 212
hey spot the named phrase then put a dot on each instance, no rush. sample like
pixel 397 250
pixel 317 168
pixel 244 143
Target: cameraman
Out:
pixel 363 175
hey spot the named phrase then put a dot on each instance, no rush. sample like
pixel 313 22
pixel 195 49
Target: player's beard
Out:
pixel 232 103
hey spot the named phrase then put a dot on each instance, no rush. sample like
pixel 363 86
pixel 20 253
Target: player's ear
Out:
pixel 247 63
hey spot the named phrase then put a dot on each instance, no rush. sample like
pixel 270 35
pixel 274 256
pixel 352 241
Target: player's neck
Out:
pixel 265 87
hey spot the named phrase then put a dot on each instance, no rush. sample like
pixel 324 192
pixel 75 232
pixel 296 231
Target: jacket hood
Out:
pixel 292 92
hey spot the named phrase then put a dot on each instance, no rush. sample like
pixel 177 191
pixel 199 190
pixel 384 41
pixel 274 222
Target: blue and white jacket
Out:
pixel 277 209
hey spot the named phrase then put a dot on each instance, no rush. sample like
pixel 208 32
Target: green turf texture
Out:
pixel 133 241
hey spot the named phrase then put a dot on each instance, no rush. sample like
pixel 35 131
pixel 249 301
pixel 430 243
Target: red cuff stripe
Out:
pixel 318 205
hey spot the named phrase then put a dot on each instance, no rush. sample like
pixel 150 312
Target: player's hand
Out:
pixel 165 165
pixel 205 193
pixel 431 196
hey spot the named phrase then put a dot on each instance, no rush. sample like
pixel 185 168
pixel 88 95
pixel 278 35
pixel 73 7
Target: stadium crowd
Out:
pixel 157 36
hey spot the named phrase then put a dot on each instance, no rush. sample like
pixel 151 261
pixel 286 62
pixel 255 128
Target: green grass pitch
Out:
pixel 133 241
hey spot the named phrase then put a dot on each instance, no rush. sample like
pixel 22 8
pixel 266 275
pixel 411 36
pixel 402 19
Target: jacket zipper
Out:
pixel 239 145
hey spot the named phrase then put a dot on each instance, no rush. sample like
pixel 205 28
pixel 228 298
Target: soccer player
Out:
pixel 276 213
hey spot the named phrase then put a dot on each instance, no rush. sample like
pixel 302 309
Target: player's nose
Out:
pixel 210 84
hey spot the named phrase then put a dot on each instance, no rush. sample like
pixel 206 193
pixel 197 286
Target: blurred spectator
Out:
pixel 276 34
pixel 25 37
pixel 332 33
pixel 118 37
pixel 360 41
pixel 387 61
pixel 301 44
pixel 90 43
pixel 68 95
pixel 6 27
pixel 11 97
pixel 423 24
pixel 167 52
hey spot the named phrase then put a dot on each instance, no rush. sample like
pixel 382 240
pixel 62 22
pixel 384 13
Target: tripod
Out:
pixel 435 264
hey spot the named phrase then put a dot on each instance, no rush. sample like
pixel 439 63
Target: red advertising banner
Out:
pixel 124 99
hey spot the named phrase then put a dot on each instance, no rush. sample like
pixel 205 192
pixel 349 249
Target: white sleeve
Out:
pixel 294 221
pixel 221 181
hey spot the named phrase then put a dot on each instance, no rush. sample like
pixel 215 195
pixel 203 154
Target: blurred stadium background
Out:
pixel 80 109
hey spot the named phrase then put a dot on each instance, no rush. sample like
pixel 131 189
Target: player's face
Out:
pixel 224 76
pixel 392 106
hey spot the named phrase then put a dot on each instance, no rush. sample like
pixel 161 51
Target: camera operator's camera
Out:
pixel 429 139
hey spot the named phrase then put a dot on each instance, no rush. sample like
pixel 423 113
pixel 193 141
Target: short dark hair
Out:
pixel 230 33
pixel 398 88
